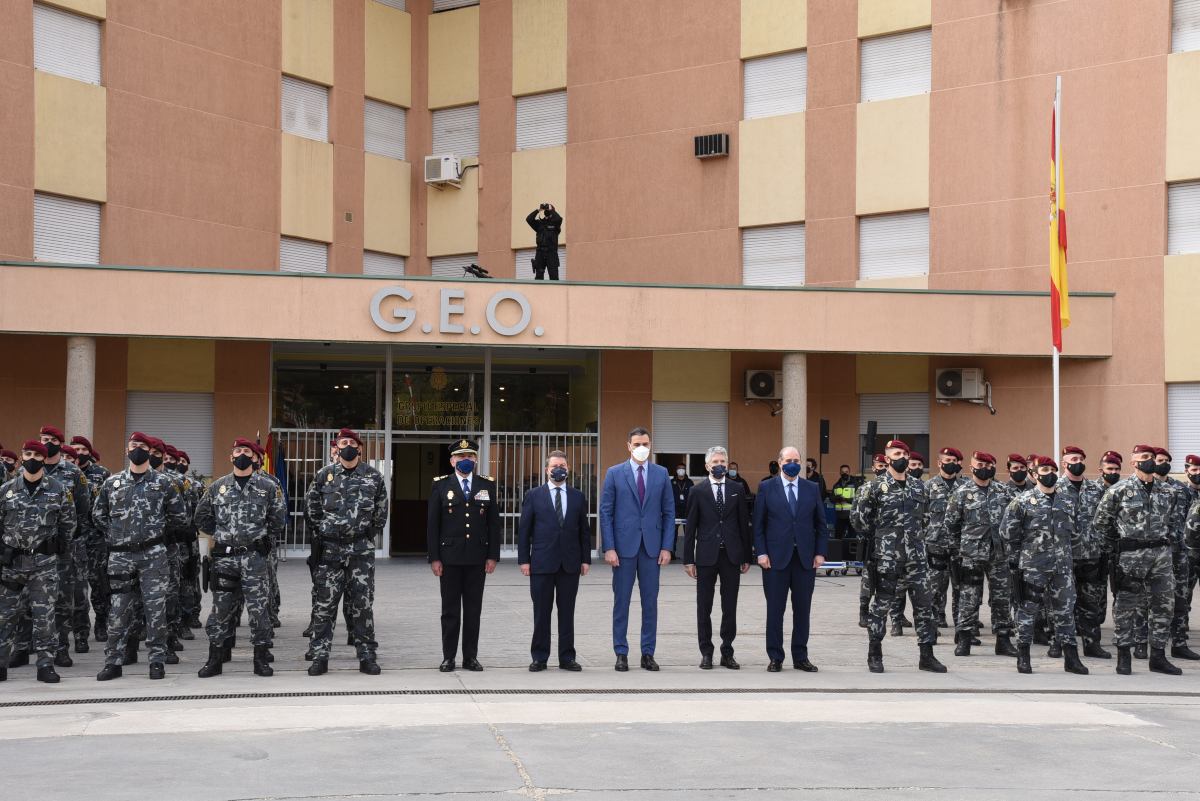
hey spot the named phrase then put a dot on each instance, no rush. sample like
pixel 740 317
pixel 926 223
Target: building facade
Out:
pixel 215 221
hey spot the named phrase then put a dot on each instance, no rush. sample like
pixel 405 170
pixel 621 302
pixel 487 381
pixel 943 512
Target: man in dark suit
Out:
pixel 716 544
pixel 791 539
pixel 637 529
pixel 554 547
pixel 464 546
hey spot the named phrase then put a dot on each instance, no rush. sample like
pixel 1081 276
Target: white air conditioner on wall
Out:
pixel 443 170
pixel 764 385
pixel 959 383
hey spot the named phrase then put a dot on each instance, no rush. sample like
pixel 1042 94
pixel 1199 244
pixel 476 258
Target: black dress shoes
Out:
pixel 648 662
pixel 774 667
pixel 537 667
pixel 447 666
pixel 572 666
pixel 806 666
pixel 472 665
pixel 622 663
pixel 729 662
pixel 706 662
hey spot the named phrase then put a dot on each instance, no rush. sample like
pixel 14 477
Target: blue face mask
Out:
pixel 719 470
pixel 791 469
pixel 558 474
pixel 465 466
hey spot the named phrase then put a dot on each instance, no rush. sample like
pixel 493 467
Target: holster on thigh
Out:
pixel 226 582
pixel 121 583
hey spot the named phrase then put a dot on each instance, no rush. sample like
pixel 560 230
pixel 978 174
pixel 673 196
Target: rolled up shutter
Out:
pixel 686 427
pixel 897 65
pixel 456 131
pixel 1183 420
pixel 542 120
pixel 773 255
pixel 523 269
pixel 305 109
pixel 893 245
pixel 1183 218
pixel 302 256
pixel 1185 25
pixel 451 266
pixel 182 419
pixel 375 263
pixel 775 85
pixel 895 413
pixel 384 131
pixel 450 5
pixel 65 229
pixel 65 44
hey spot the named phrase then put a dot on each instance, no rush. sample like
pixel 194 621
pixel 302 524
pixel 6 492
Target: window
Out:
pixel 523 269
pixel 1185 25
pixel 384 129
pixel 456 131
pixel 773 255
pixel 399 5
pixel 1183 218
pixel 542 120
pixel 66 44
pixel 450 5
pixel 893 245
pixel 687 427
pixel 775 85
pixel 184 419
pixel 895 66
pixel 376 263
pixel 65 229
pixel 302 256
pixel 450 266
pixel 305 109
pixel 1183 420
pixel 898 415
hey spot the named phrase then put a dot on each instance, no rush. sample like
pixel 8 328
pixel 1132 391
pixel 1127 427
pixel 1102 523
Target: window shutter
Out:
pixel 895 66
pixel 896 413
pixel 542 120
pixel 523 269
pixel 450 266
pixel 384 129
pixel 1183 218
pixel 65 229
pixel 773 255
pixel 183 419
pixel 775 85
pixel 302 256
pixel 1183 420
pixel 1185 25
pixel 375 263
pixel 66 44
pixel 683 427
pixel 305 109
pixel 893 245
pixel 399 5
pixel 456 131
pixel 450 5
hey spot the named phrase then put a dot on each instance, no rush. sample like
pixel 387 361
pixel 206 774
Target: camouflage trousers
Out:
pixel 343 571
pixel 864 587
pixel 190 597
pixel 970 596
pixel 1091 599
pixel 238 579
pixel 945 583
pixel 1056 591
pixel 98 580
pixel 138 581
pixel 30 582
pixel 64 605
pixel 1145 597
pixel 81 623
pixel 1183 597
pixel 273 578
pixel 903 567
pixel 176 554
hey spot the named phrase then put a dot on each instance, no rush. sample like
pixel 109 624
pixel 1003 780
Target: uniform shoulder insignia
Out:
pixel 439 478
pixel 187 485
pixel 70 497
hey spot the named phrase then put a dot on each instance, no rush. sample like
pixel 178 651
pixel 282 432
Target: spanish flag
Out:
pixel 1060 307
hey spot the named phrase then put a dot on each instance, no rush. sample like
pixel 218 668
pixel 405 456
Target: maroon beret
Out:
pixel 1112 457
pixel 1045 461
pixel 918 457
pixel 157 444
pixel 896 443
pixel 1163 452
pixel 54 432
pixel 242 442
pixel 348 433
pixel 879 457
pixel 6 454
pixel 984 456
pixel 36 446
pixel 183 455
pixel 259 449
pixel 69 451
pixel 145 439
pixel 1144 449
pixel 1192 459
pixel 955 452
pixel 81 440
pixel 96 455
pixel 170 450
pixel 1018 458
pixel 1069 449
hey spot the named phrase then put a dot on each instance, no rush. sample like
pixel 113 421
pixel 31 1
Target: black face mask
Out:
pixel 1111 478
pixel 84 459
pixel 951 469
pixel 156 461
pixel 348 453
pixel 1164 469
pixel 243 462
pixel 1147 466
pixel 1048 480
pixel 32 465
pixel 52 449
pixel 1019 476
pixel 881 471
pixel 1194 478
pixel 139 456
pixel 1076 469
pixel 900 465
pixel 916 472
pixel 8 467
pixel 984 473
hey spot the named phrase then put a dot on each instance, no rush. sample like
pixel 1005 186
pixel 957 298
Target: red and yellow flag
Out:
pixel 1060 307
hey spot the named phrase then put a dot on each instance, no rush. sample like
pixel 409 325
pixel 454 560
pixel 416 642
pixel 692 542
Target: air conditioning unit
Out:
pixel 443 170
pixel 711 145
pixel 764 385
pixel 959 383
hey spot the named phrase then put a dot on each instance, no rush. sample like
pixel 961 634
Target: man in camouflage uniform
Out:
pixel 896 508
pixel 1179 556
pixel 96 558
pixel 1133 519
pixel 972 526
pixel 347 507
pixel 8 464
pixel 189 578
pixel 163 459
pixel 72 478
pixel 866 587
pixel 134 509
pixel 37 519
pixel 1087 553
pixel 1192 537
pixel 273 560
pixel 939 489
pixel 243 512
pixel 1038 527
pixel 81 624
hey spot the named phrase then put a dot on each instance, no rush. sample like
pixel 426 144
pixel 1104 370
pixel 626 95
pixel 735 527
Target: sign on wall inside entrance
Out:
pixel 508 312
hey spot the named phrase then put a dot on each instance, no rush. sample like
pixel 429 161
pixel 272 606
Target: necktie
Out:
pixel 641 485
pixel 466 489
pixel 558 510
pixel 721 499
pixel 792 497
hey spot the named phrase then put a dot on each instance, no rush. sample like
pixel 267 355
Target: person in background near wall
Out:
pixel 813 475
pixel 735 474
pixel 772 471
pixel 843 501
pixel 681 487
pixel 547 227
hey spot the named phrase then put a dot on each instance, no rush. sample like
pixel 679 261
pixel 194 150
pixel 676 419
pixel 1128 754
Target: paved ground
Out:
pixel 980 731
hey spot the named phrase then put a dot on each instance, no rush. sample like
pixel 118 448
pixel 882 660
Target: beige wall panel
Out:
pixel 539 46
pixel 888 16
pixel 771 170
pixel 453 216
pixel 908 282
pixel 892 155
pixel 454 58
pixel 70 137
pixel 625 400
pixel 773 26
pixel 1181 291
pixel 241 394
pixel 170 365
pixel 308 40
pixel 538 176
pixel 388 54
pixel 1183 116
pixel 306 189
pixel 386 210
pixel 689 375
pixel 89 8
pixel 875 373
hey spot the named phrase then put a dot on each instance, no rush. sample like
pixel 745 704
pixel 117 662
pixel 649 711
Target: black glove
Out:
pixel 205 572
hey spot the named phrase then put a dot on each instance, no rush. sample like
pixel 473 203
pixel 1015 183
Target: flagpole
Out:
pixel 1058 188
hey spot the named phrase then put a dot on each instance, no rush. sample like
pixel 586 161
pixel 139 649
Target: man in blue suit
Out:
pixel 554 547
pixel 637 531
pixel 790 539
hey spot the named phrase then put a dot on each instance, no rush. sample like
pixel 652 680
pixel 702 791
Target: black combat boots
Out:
pixel 262 661
pixel 1056 650
pixel 1139 650
pixel 1071 662
pixel 1004 646
pixel 47 674
pixel 368 665
pixel 929 661
pixel 213 666
pixel 227 648
pixel 1159 663
pixel 1183 652
pixel 962 643
pixel 862 616
pixel 1093 650
pixel 1124 663
pixel 109 672
pixel 318 667
pixel 1023 665
pixel 875 656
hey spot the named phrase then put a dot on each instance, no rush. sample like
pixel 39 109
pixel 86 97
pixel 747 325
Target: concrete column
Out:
pixel 795 401
pixel 81 386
